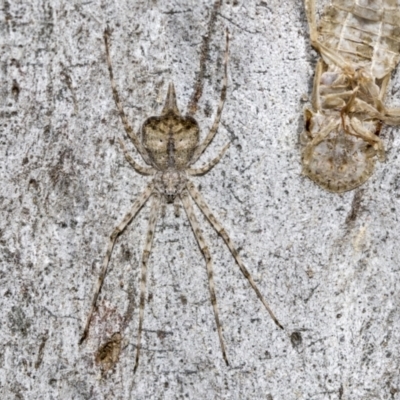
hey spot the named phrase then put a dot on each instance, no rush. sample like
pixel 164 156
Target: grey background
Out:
pixel 327 263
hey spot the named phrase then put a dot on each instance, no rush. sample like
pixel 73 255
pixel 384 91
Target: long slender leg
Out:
pixel 128 129
pixel 206 253
pixel 137 205
pixel 205 168
pixel 198 89
pixel 210 136
pixel 137 167
pixel 145 258
pixel 199 200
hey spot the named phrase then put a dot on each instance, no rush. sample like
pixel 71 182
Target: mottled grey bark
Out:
pixel 328 264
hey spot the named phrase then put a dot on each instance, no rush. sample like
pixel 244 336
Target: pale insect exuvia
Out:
pixel 169 144
pixel 359 42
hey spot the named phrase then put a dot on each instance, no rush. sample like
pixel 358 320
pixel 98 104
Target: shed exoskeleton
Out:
pixel 359 42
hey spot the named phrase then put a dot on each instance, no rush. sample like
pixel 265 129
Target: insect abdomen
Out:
pixel 367 35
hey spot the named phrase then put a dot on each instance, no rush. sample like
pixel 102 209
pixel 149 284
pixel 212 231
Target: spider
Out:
pixel 169 144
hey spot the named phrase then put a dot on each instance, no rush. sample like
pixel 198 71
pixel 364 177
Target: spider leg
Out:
pixel 210 136
pixel 136 166
pixel 198 89
pixel 137 205
pixel 199 200
pixel 155 207
pixel 205 168
pixel 128 129
pixel 206 253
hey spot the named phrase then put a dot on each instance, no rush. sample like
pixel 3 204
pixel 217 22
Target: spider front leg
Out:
pixel 199 200
pixel 204 52
pixel 207 256
pixel 155 207
pixel 210 136
pixel 137 205
pixel 128 129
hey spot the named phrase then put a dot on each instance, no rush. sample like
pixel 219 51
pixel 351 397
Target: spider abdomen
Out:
pixel 170 140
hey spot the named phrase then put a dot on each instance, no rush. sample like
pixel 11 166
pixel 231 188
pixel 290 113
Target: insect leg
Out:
pixel 187 204
pixel 358 130
pixel 199 200
pixel 214 128
pixel 318 138
pixel 392 116
pixel 155 207
pixel 137 205
pixel 315 97
pixel 384 86
pixel 205 168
